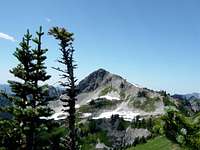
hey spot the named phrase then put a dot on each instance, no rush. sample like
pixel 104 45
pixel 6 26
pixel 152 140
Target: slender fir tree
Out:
pixel 65 39
pixel 31 99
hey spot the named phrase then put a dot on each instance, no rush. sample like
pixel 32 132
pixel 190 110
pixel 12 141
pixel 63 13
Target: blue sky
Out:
pixel 154 43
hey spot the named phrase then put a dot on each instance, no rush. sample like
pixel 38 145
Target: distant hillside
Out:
pixel 53 91
pixel 54 94
pixel 187 96
pixel 190 102
pixel 6 88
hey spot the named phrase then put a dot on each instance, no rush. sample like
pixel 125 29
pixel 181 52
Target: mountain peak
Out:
pixel 93 80
pixel 100 70
pixel 102 78
pixel 98 74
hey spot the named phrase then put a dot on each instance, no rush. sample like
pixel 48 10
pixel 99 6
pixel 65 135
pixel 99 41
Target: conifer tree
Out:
pixel 31 97
pixel 65 39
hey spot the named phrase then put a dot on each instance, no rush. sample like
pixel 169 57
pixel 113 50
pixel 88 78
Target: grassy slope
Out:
pixel 158 143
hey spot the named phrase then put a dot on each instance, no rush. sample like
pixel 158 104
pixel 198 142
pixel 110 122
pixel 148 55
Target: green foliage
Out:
pixel 142 123
pixel 158 126
pixel 97 104
pixel 183 130
pixel 91 140
pixel 158 143
pixel 183 107
pixel 180 139
pixel 10 135
pixel 122 95
pixel 90 133
pixel 92 126
pixel 101 103
pixel 122 125
pixel 163 93
pixel 137 103
pixel 50 139
pixel 147 104
pixel 142 93
pixel 107 90
pixel 167 101
pixel 85 109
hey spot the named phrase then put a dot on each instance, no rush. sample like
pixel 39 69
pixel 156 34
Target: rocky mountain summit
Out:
pixel 103 83
pixel 103 94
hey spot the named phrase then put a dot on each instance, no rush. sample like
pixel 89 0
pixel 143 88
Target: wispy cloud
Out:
pixel 7 37
pixel 48 19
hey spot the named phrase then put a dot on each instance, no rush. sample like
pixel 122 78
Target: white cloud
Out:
pixel 7 37
pixel 48 19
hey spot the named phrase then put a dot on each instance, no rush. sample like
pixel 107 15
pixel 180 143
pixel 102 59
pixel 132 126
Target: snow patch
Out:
pixel 59 114
pixel 137 85
pixel 77 106
pixel 110 97
pixel 56 116
pixel 122 110
pixel 88 101
pixel 85 115
pixel 126 115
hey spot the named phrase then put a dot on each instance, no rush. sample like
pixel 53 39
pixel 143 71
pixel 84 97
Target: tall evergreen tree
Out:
pixel 65 39
pixel 31 97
